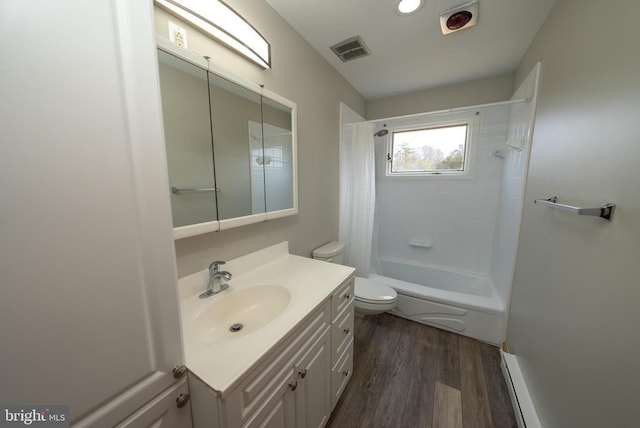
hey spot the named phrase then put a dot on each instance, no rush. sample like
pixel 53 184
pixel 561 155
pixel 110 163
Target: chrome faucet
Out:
pixel 215 280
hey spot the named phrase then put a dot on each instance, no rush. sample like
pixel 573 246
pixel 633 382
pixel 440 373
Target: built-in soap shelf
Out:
pixel 420 243
pixel 515 144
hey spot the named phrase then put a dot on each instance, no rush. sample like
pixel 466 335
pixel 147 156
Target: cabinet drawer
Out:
pixel 341 333
pixel 342 298
pixel 261 381
pixel 341 374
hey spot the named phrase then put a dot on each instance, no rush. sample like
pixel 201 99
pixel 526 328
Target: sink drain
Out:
pixel 235 327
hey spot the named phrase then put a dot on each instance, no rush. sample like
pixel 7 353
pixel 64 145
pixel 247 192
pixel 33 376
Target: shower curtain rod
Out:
pixel 449 110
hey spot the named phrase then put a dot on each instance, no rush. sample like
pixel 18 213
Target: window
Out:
pixel 430 150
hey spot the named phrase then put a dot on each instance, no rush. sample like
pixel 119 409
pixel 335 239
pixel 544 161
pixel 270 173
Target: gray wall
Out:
pixel 492 89
pixel 302 75
pixel 574 313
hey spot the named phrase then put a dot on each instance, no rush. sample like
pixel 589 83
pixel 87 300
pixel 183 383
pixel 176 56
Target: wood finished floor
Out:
pixel 411 375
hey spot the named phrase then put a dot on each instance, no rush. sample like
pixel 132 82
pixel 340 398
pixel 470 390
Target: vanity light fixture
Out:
pixel 218 20
pixel 408 7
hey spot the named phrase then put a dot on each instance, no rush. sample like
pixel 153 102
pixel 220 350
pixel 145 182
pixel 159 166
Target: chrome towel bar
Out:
pixel 194 189
pixel 605 211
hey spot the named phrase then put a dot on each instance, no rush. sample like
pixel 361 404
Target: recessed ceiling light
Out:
pixel 408 7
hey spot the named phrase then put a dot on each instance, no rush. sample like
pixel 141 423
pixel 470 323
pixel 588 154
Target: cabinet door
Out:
pixel 313 396
pixel 164 411
pixel 279 410
pixel 187 133
pixel 88 307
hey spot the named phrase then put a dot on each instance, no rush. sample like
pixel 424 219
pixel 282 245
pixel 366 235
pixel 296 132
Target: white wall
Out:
pixel 514 173
pixel 574 312
pixel 300 74
pixel 481 91
pixel 456 215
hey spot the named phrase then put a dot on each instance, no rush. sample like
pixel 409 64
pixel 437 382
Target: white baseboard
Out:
pixel 526 415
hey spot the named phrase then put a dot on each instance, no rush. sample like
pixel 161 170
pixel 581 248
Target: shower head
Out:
pixel 381 133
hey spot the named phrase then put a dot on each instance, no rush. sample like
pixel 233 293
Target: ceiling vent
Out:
pixel 459 18
pixel 350 49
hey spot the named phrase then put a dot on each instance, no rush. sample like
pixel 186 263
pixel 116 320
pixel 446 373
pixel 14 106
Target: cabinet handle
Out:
pixel 347 296
pixel 293 385
pixel 302 373
pixel 346 331
pixel 179 372
pixel 346 373
pixel 182 400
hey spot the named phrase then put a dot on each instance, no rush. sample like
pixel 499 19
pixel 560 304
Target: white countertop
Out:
pixel 310 282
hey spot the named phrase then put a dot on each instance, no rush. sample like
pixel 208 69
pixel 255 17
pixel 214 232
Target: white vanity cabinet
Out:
pixel 301 399
pixel 294 384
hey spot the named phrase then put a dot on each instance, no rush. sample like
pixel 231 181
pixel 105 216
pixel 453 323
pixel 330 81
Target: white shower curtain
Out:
pixel 357 195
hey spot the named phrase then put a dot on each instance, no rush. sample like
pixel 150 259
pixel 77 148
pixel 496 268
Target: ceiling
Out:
pixel 409 53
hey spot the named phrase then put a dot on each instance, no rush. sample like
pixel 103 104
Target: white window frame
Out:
pixel 445 120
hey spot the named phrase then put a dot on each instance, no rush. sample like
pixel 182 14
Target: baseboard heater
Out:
pixel 526 415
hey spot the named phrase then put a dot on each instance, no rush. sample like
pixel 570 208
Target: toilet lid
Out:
pixel 369 291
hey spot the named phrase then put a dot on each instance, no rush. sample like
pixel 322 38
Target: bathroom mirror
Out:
pixel 236 117
pixel 231 146
pixel 187 133
pixel 278 155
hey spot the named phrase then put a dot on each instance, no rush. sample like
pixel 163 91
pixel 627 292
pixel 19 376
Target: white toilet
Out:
pixel 371 297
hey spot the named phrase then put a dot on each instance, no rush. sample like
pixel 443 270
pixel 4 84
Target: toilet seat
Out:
pixel 373 297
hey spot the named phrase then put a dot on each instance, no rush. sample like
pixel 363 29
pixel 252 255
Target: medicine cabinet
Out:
pixel 231 146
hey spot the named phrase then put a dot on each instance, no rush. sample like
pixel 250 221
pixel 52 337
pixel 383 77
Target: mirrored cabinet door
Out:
pixel 236 115
pixel 187 128
pixel 231 146
pixel 278 155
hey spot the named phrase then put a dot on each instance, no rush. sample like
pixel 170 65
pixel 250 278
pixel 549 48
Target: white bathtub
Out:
pixel 456 301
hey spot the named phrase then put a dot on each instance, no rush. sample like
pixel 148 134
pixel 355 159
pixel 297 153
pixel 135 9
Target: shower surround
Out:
pixel 447 244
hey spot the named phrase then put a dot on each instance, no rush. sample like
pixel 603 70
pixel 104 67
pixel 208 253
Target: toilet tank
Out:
pixel 330 252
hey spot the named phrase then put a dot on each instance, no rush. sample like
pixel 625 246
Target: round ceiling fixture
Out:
pixel 459 20
pixel 408 7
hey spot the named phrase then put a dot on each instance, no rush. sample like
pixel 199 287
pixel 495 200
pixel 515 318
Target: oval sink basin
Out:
pixel 243 311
